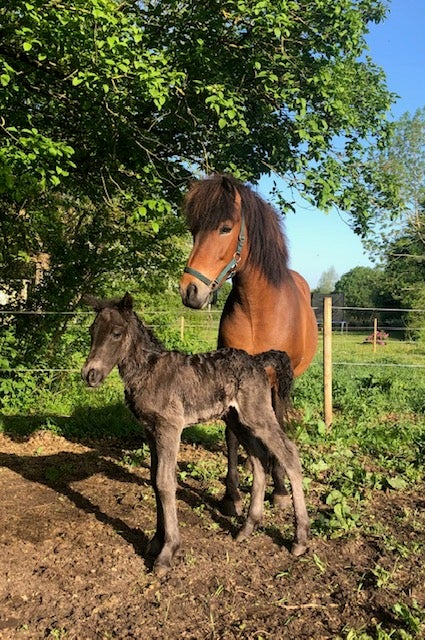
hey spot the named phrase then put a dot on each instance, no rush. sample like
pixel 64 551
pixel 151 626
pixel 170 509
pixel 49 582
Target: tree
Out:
pixel 403 161
pixel 399 241
pixel 327 281
pixel 361 286
pixel 108 108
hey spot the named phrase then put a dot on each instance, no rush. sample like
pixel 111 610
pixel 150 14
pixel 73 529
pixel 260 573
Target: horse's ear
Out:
pixel 227 184
pixel 126 304
pixel 92 301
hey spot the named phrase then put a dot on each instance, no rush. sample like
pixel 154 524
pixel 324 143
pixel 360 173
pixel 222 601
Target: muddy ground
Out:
pixel 75 521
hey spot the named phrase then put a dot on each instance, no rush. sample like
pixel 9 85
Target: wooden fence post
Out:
pixel 327 359
pixel 182 328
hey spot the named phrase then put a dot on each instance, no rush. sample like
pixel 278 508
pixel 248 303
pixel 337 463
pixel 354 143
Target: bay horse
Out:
pixel 237 234
pixel 169 390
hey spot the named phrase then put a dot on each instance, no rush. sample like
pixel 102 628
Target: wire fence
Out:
pixel 201 327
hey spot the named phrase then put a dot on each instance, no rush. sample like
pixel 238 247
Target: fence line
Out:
pixel 182 323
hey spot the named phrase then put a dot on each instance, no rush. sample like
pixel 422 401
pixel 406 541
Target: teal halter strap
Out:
pixel 229 269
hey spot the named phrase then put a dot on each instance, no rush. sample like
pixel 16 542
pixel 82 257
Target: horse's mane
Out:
pixel 212 200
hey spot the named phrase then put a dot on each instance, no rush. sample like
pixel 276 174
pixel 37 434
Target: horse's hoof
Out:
pixel 229 507
pixel 282 501
pixel 298 549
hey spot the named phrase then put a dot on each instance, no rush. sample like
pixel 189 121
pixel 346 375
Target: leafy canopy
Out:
pixel 107 109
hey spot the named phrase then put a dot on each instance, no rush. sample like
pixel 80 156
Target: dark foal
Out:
pixel 169 390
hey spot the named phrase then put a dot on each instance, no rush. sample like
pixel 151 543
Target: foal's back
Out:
pixel 175 386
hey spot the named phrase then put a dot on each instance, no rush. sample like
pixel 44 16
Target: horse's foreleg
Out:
pixel 281 497
pixel 231 503
pixel 167 537
pixel 256 506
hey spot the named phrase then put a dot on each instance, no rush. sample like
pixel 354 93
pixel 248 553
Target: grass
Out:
pixel 376 442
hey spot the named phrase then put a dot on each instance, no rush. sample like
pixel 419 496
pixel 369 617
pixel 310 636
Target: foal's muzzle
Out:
pixel 93 377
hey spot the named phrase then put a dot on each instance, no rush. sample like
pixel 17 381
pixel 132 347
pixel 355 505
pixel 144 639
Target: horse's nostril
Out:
pixel 192 291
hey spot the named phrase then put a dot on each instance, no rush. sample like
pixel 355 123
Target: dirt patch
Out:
pixel 74 525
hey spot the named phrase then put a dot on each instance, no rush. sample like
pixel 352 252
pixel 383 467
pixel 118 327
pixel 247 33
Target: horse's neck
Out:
pixel 251 291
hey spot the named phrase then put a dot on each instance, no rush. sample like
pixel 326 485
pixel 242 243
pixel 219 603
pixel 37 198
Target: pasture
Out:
pixel 77 511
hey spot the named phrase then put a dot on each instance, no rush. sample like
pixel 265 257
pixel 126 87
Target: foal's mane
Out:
pixel 212 200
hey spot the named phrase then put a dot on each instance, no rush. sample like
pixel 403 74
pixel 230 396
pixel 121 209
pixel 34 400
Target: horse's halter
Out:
pixel 230 268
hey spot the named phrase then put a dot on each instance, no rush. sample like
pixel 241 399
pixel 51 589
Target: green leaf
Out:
pixel 27 46
pixel 397 483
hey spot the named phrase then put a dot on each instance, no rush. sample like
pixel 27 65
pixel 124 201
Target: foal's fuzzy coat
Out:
pixel 169 390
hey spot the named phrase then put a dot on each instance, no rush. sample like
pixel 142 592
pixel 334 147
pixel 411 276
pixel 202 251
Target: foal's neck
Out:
pixel 142 344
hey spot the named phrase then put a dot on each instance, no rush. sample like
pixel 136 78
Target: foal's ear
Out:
pixel 92 301
pixel 126 304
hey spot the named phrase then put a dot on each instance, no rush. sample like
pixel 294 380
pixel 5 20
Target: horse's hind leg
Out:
pixel 278 444
pixel 231 503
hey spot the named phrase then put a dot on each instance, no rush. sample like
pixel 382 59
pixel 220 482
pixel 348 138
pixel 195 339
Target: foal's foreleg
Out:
pixel 157 542
pixel 167 538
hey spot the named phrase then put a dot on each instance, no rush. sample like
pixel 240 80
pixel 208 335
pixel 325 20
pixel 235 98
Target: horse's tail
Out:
pixel 280 373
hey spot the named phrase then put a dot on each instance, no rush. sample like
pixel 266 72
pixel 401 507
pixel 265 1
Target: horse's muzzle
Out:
pixel 194 296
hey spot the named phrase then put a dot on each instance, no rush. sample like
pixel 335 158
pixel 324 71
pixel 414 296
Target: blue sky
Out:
pixel 319 241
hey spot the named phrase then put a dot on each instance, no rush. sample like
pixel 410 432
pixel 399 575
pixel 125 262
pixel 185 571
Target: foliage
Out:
pixel 327 281
pixel 108 108
pixel 361 287
pixel 399 241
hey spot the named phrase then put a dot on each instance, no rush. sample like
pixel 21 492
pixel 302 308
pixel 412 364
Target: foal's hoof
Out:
pixel 161 570
pixel 229 507
pixel 245 532
pixel 282 501
pixel 298 549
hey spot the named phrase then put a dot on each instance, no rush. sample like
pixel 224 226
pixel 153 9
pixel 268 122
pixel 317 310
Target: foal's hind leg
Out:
pixel 287 455
pixel 266 429
pixel 256 506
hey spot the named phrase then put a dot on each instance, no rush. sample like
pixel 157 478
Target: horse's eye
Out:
pixel 225 229
pixel 116 334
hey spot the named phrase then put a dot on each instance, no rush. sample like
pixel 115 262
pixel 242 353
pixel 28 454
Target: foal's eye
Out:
pixel 116 334
pixel 225 229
